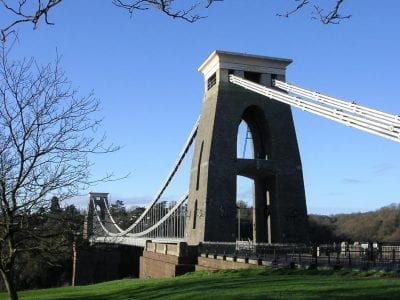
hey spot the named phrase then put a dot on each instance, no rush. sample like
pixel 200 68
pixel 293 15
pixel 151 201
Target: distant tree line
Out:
pixel 49 261
pixel 45 260
pixel 123 216
pixel 382 225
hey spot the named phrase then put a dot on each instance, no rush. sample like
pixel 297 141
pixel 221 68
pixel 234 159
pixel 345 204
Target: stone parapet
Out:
pixel 211 263
pixel 167 260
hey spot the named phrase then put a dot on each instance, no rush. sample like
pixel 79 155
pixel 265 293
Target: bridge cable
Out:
pixel 175 208
pixel 369 120
pixel 345 105
pixel 167 181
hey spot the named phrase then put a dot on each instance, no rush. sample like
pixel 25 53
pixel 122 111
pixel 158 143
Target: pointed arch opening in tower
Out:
pixel 254 135
pixel 245 147
pixel 253 192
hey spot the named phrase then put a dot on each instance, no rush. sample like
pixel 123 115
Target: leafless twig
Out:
pixel 294 10
pixel 331 17
pixel 23 11
pixel 167 7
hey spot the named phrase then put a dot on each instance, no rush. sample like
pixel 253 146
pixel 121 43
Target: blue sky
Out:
pixel 144 71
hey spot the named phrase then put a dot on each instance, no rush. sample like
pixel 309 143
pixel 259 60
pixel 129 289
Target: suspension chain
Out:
pixel 350 114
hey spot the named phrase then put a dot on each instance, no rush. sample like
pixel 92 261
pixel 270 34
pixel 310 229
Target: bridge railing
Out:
pixel 334 256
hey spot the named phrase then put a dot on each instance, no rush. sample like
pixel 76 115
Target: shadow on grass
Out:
pixel 235 284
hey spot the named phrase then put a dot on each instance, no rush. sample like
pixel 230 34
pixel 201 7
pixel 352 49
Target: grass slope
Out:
pixel 237 284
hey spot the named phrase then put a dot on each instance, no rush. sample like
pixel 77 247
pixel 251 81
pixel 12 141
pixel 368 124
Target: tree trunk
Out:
pixel 9 284
pixel 73 263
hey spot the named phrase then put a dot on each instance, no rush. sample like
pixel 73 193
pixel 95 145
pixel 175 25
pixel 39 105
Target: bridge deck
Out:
pixel 132 241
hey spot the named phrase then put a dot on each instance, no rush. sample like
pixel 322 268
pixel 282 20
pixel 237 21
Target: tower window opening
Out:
pixel 273 78
pixel 252 76
pixel 199 166
pixel 211 81
pixel 195 215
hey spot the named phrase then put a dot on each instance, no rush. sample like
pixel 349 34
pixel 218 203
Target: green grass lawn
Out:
pixel 237 284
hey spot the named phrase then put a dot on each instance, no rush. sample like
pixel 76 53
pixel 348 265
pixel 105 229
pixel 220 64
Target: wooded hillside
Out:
pixel 382 225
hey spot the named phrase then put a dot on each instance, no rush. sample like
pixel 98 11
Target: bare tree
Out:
pixel 47 135
pixel 32 11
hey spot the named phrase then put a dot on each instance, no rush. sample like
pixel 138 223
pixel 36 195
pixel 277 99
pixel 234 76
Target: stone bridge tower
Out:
pixel 279 212
pixel 98 202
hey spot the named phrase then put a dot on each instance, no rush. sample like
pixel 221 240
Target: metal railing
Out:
pixel 283 255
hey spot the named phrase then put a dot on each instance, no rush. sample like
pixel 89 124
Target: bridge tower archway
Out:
pixel 98 207
pixel 258 131
pixel 280 213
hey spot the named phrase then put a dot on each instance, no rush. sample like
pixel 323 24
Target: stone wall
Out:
pixel 222 263
pixel 104 262
pixel 167 260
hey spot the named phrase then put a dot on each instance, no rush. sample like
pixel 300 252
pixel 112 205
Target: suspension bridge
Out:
pixel 250 88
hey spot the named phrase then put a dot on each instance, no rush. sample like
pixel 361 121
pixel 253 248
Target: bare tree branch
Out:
pixel 299 6
pixel 331 17
pixel 32 11
pixel 167 7
pixel 24 11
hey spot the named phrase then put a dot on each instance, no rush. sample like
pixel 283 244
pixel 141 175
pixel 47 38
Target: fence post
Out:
pixel 329 258
pixel 316 253
pixel 349 261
